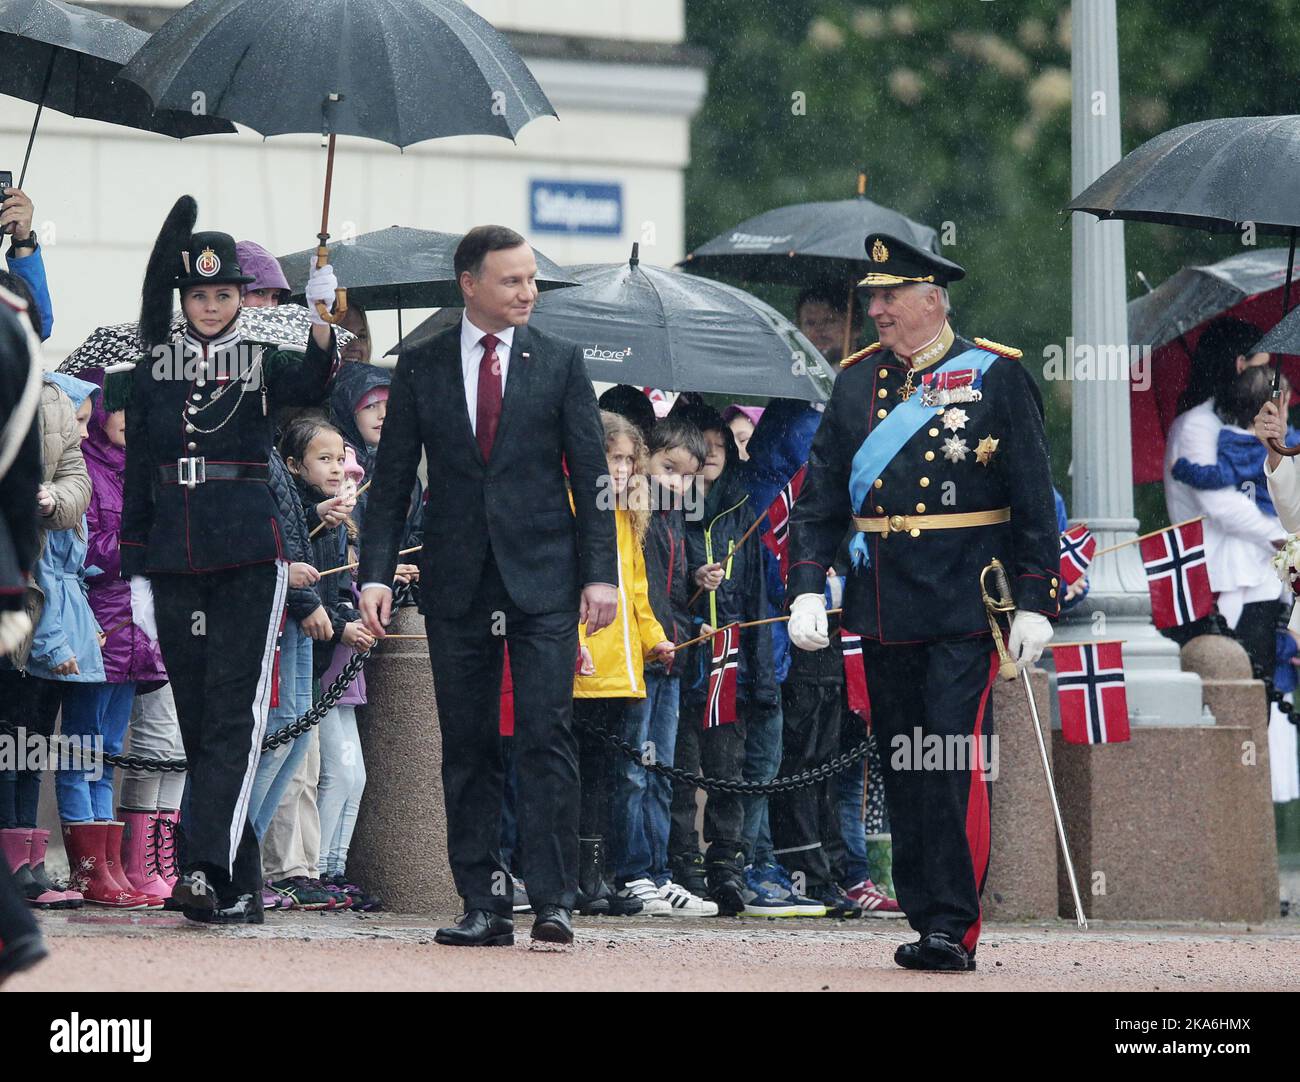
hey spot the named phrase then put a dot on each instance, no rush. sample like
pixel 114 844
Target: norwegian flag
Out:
pixel 1077 549
pixel 1090 692
pixel 720 706
pixel 776 533
pixel 1177 576
pixel 855 676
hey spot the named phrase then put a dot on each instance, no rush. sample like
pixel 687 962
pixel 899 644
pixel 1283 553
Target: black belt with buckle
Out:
pixel 197 471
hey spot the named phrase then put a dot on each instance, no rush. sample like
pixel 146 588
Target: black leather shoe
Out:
pixel 909 955
pixel 938 952
pixel 245 909
pixel 478 928
pixel 193 892
pixel 554 924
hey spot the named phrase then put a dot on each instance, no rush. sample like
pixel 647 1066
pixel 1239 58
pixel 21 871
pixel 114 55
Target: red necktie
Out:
pixel 488 414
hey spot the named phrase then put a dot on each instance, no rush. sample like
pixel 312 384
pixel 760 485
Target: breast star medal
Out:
pixel 954 418
pixel 955 449
pixel 986 449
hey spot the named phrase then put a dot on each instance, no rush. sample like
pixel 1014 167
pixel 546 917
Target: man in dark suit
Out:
pixel 501 411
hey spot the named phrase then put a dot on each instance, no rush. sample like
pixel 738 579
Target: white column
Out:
pixel 1118 605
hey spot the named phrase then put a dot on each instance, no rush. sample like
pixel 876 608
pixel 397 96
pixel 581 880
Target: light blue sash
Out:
pixel 891 436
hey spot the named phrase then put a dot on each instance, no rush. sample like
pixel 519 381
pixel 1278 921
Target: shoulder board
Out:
pixel 853 359
pixel 999 348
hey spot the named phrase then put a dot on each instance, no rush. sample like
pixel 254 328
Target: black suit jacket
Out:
pixel 927 587
pixel 517 503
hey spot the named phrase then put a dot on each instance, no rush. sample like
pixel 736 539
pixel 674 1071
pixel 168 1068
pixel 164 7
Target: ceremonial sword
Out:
pixel 1007 669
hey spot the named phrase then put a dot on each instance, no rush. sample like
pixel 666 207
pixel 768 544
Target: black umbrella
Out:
pixel 400 71
pixel 68 58
pixel 652 327
pixel 1219 175
pixel 806 242
pixel 402 268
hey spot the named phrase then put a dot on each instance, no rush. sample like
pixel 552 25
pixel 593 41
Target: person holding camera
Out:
pixel 24 253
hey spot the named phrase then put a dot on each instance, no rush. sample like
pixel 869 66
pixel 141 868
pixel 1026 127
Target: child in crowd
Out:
pixel 733 576
pixel 314 452
pixel 67 647
pixel 29 702
pixel 133 664
pixel 614 675
pixel 643 799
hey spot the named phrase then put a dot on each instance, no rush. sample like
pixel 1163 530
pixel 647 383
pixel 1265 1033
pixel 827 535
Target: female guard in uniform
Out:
pixel 199 527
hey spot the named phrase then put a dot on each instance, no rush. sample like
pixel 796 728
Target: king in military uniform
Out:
pixel 932 456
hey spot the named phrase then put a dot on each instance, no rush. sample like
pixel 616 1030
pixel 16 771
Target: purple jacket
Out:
pixel 129 654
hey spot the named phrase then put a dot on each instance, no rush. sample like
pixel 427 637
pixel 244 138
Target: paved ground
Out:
pixel 94 950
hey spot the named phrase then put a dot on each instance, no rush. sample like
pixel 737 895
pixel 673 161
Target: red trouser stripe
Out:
pixel 977 808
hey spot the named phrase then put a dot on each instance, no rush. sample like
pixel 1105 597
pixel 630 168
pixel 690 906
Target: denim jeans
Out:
pixel 338 793
pixel 762 760
pixel 643 800
pixel 276 768
pixel 91 710
pixel 853 829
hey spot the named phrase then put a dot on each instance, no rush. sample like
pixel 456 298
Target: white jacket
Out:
pixel 1239 537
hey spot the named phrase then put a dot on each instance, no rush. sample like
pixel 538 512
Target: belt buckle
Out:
pixel 895 524
pixel 191 471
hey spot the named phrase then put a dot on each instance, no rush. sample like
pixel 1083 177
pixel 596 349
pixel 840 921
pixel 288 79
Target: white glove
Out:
pixel 15 626
pixel 1030 632
pixel 320 287
pixel 142 606
pixel 808 622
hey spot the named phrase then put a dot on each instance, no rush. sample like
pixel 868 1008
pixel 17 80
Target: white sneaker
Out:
pixel 653 904
pixel 683 903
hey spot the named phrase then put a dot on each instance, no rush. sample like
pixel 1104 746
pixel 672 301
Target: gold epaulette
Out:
pixel 999 348
pixel 854 358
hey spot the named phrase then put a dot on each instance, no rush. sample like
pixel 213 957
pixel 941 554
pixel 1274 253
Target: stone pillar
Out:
pixel 399 849
pixel 1118 606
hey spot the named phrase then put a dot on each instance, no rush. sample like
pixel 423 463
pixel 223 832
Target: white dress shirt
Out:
pixel 471 356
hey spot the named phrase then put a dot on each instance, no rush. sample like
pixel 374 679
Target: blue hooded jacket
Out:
pixel 31 269
pixel 67 627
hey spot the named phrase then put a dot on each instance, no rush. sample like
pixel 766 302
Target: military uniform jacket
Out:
pixel 226 521
pixel 991 454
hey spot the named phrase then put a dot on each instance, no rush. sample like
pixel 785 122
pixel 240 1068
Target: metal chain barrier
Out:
pixel 833 766
pixel 329 698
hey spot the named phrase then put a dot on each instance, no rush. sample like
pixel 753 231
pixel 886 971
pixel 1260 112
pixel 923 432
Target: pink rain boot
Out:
pixel 40 842
pixel 165 845
pixel 16 847
pixel 113 849
pixel 140 854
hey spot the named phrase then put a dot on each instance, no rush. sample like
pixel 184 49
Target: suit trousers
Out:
pixel 932 713
pixel 218 631
pixel 804 820
pixel 716 753
pixel 466 656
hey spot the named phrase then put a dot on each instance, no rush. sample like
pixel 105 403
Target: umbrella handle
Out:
pixel 340 295
pixel 1277 445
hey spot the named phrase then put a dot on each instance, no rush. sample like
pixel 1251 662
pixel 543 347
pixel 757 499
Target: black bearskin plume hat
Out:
pixel 160 275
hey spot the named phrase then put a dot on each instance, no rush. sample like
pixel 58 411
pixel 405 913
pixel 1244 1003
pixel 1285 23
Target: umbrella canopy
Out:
pixel 1213 175
pixel 1171 319
pixel 287 325
pixel 67 58
pixel 653 327
pixel 805 243
pixel 403 70
pixel 1285 339
pixel 401 268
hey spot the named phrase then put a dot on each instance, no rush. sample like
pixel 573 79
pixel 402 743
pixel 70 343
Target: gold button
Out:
pixel 882 414
pixel 929 456
pixel 882 393
pixel 884 373
pixel 879 510
pixel 920 509
pixel 925 482
pixel 914 532
pixel 934 432
pixel 1051 593
pixel 1054 582
pixel 878 483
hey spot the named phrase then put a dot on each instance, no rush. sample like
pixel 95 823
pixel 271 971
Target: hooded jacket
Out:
pixel 335 590
pixel 301 601
pixel 130 656
pixel 728 514
pixel 668 575
pixel 66 627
